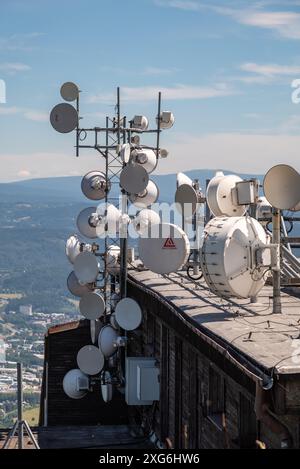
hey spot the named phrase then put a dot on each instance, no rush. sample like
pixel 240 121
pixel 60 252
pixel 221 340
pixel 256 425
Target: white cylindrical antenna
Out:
pixel 167 120
pixel 221 196
pixel 144 219
pixel 144 157
pixel 140 123
pixel 147 197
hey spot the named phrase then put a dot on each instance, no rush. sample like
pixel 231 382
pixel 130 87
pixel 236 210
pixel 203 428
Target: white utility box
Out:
pixel 142 381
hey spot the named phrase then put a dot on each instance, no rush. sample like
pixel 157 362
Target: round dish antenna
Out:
pixel 144 219
pixel 92 305
pixel 221 196
pixel 109 218
pixel 147 197
pixel 69 91
pixel 86 267
pixel 106 386
pixel 125 152
pixel 87 222
pixel 94 185
pixel 167 249
pixel 74 247
pixel 282 187
pixel 144 157
pixel 140 123
pixel 76 288
pixel 64 118
pixel 167 120
pixel 75 384
pixel 134 179
pixel 90 360
pixel 128 314
pixel 229 259
pixel 107 340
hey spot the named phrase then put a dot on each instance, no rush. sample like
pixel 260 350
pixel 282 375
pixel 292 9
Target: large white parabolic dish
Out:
pixel 76 288
pixel 228 256
pixel 167 249
pixel 87 222
pixel 64 118
pixel 69 91
pixel 90 360
pixel 71 384
pixel 86 267
pixel 144 157
pixel 92 305
pixel 146 198
pixel 128 314
pixel 107 339
pixel 282 187
pixel 94 185
pixel 134 179
pixel 220 196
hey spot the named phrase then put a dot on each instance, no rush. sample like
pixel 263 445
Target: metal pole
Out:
pixel 20 406
pixel 276 272
pixel 77 128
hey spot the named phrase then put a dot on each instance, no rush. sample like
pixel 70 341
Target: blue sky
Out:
pixel 225 69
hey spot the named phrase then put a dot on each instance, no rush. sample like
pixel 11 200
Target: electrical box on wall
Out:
pixel 142 381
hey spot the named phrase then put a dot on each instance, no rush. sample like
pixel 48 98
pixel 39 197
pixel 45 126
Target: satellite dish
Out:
pixel 87 222
pixel 128 314
pixel 94 185
pixel 76 288
pixel 64 118
pixel 125 152
pixel 147 197
pixel 144 157
pixel 112 259
pixel 167 249
pixel 76 384
pixel 282 187
pixel 167 120
pixel 134 179
pixel 74 247
pixel 221 198
pixel 92 305
pixel 182 178
pixel 90 360
pixel 69 91
pixel 140 123
pixel 109 219
pixel 186 199
pixel 144 219
pixel 228 259
pixel 106 386
pixel 86 267
pixel 107 339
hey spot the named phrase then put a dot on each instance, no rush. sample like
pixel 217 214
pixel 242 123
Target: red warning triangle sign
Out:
pixel 169 244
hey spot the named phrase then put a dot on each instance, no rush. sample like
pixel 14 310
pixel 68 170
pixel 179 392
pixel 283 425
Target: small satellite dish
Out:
pixel 107 339
pixel 221 196
pixel 90 360
pixel 106 386
pixel 69 91
pixel 128 314
pixel 134 179
pixel 140 123
pixel 146 198
pixel 125 152
pixel 109 219
pixel 112 259
pixel 94 185
pixel 144 219
pixel 167 120
pixel 282 187
pixel 64 118
pixel 144 157
pixel 228 258
pixel 86 267
pixel 167 249
pixel 76 288
pixel 76 384
pixel 92 305
pixel 87 222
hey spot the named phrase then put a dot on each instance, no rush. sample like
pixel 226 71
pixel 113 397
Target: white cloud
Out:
pixel 30 114
pixel 14 67
pixel 24 173
pixel 270 70
pixel 178 92
pixel 36 116
pixel 158 71
pixel 19 42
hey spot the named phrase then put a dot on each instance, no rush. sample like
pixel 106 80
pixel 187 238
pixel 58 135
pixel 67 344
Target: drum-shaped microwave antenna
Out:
pixel 282 187
pixel 90 360
pixel 76 384
pixel 144 219
pixel 94 185
pixel 221 196
pixel 229 259
pixel 92 305
pixel 144 157
pixel 109 218
pixel 107 340
pixel 147 197
pixel 86 267
pixel 74 247
pixel 134 179
pixel 64 118
pixel 76 288
pixel 140 123
pixel 167 120
pixel 128 314
pixel 69 91
pixel 112 259
pixel 167 249
pixel 125 152
pixel 106 386
pixel 87 222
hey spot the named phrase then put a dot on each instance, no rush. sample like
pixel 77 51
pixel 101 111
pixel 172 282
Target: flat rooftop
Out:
pixel 268 339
